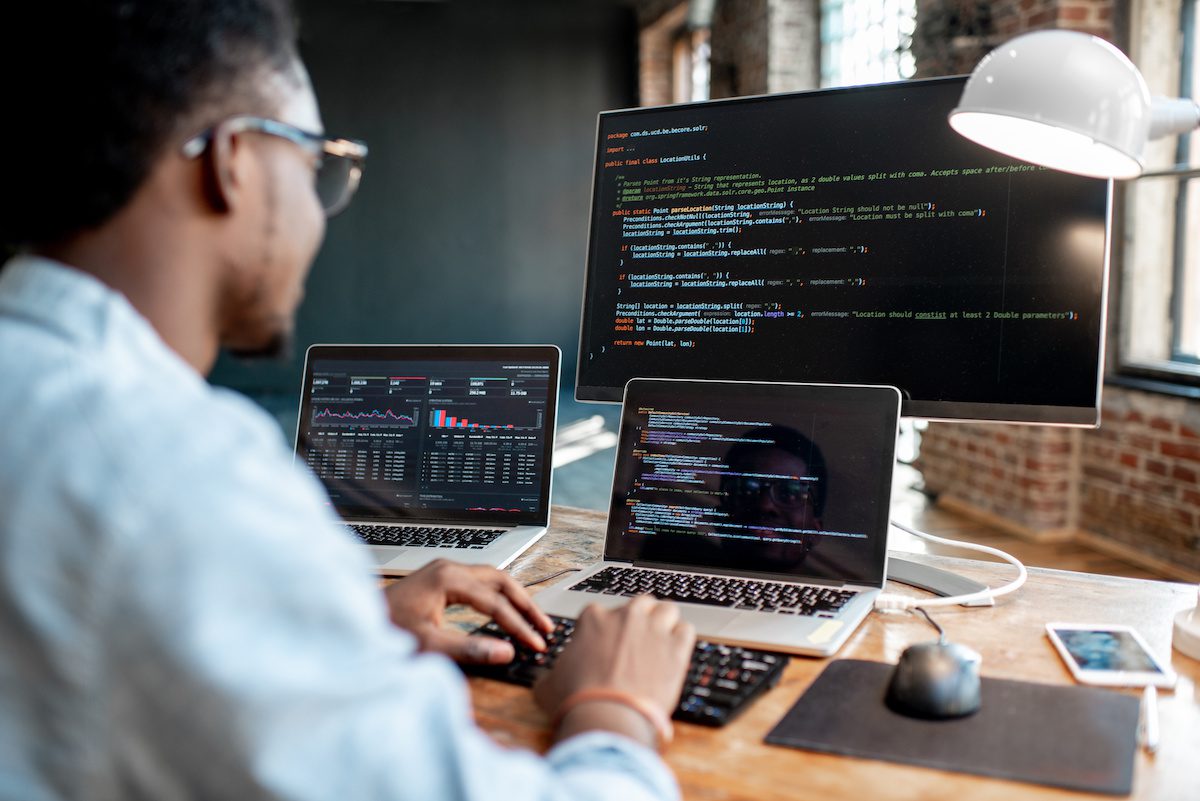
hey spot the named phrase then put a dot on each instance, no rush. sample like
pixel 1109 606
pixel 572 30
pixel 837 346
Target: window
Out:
pixel 866 41
pixel 673 55
pixel 1159 332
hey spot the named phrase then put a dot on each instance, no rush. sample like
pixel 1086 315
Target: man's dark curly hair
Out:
pixel 103 87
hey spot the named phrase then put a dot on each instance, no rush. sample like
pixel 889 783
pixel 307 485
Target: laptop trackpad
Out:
pixel 783 628
pixel 384 555
pixel 707 620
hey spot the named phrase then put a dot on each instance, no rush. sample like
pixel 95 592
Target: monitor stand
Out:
pixel 935 580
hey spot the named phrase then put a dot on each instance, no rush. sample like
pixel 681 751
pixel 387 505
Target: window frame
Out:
pixel 1187 32
pixel 1176 372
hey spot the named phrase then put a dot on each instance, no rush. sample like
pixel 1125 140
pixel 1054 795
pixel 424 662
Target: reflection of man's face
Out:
pixel 784 500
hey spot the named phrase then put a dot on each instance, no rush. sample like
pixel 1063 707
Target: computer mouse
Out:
pixel 935 681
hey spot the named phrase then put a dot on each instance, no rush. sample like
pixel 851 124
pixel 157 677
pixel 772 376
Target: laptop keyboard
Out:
pixel 721 681
pixel 426 536
pixel 734 593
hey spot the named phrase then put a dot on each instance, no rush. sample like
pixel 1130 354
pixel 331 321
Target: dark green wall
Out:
pixel 471 221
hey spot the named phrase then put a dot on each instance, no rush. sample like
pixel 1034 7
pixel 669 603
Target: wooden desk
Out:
pixel 734 763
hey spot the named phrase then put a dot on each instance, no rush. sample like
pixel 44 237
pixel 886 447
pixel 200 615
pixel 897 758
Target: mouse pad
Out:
pixel 1078 738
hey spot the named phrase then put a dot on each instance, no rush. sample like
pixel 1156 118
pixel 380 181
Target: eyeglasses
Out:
pixel 339 161
pixel 787 492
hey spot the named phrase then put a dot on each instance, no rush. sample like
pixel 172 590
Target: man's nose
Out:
pixel 765 500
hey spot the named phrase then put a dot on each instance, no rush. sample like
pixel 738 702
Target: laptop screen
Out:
pixel 449 433
pixel 778 479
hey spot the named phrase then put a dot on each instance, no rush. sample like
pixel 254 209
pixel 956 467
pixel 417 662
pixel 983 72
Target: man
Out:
pixel 161 635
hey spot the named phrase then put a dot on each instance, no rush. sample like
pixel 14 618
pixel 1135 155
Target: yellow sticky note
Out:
pixel 825 631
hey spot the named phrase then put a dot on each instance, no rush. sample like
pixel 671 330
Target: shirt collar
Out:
pixel 73 304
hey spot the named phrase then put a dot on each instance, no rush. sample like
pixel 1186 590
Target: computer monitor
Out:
pixel 844 236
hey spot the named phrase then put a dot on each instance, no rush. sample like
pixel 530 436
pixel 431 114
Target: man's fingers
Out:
pixel 483 589
pixel 641 604
pixel 685 636
pixel 665 614
pixel 520 598
pixel 480 649
pixel 482 597
pixel 515 623
pixel 684 630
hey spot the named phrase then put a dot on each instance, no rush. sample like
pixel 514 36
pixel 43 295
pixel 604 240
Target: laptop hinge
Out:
pixel 743 574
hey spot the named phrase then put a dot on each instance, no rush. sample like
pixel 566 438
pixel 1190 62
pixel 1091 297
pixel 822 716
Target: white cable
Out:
pixel 891 601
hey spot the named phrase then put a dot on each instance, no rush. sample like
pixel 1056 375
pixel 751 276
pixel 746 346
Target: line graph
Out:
pixel 374 417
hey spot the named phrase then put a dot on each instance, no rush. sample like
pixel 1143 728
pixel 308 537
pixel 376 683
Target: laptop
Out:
pixel 433 451
pixel 760 508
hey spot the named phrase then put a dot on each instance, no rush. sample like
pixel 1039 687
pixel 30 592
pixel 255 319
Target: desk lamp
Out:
pixel 1073 102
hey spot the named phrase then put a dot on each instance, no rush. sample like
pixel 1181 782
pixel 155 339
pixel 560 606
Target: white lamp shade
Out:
pixel 1061 99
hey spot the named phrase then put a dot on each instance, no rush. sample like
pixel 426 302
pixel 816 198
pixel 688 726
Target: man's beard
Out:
pixel 278 348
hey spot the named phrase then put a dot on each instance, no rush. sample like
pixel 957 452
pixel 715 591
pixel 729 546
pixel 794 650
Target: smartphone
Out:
pixel 1114 656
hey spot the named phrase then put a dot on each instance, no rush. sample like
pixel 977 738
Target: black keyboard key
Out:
pixel 721 680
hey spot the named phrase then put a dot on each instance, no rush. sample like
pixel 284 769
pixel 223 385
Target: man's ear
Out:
pixel 224 182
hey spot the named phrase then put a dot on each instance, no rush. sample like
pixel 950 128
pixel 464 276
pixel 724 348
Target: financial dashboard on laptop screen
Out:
pixel 434 437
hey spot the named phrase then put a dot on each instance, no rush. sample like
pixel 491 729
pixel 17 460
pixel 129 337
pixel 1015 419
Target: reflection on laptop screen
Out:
pixel 782 479
pixel 429 438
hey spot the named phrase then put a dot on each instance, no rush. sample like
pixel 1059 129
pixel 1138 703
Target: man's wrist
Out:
pixel 611 716
pixel 652 715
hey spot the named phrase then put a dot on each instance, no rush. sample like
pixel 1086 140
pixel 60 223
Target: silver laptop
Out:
pixel 433 451
pixel 761 508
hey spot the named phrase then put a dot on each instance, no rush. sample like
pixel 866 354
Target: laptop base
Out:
pixel 792 634
pixel 402 560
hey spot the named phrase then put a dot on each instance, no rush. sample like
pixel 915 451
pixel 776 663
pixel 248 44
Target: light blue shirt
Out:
pixel 180 615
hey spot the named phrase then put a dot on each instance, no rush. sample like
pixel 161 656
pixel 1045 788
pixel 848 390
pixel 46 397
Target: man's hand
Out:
pixel 418 601
pixel 642 649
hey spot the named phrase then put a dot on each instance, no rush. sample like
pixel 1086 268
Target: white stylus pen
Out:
pixel 1150 719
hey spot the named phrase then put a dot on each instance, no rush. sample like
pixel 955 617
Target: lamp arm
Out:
pixel 1173 115
pixel 1178 172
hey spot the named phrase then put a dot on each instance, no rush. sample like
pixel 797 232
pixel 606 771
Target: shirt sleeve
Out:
pixel 249 655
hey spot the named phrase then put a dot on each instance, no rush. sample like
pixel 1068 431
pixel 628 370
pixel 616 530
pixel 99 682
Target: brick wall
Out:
pixel 1090 16
pixel 952 35
pixel 762 46
pixel 656 45
pixel 1140 477
pixel 1131 486
pixel 739 48
pixel 758 46
pixel 1019 477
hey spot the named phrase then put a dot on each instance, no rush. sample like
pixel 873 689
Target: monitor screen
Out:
pixel 844 236
pixel 453 433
